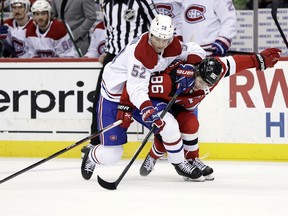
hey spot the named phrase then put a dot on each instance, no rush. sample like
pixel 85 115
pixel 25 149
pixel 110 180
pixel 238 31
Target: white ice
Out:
pixel 56 188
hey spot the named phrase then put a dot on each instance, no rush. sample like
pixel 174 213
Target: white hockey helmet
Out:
pixel 25 2
pixel 161 27
pixel 41 5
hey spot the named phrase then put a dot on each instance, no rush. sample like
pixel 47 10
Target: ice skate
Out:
pixel 189 172
pixel 87 166
pixel 147 166
pixel 206 170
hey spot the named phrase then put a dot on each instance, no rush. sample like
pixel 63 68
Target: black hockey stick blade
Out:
pixel 275 4
pixel 113 185
pixel 232 52
pixel 92 136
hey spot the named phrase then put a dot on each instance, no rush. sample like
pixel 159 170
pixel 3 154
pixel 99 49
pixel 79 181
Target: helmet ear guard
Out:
pixel 209 70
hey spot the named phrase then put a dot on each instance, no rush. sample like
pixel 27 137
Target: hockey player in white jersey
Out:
pixel 97 43
pixel 211 23
pixel 15 38
pixel 148 54
pixel 48 38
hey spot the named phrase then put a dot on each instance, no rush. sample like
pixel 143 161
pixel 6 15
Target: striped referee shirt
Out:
pixel 125 20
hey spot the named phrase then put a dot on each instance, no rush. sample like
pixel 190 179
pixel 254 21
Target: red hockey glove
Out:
pixel 151 117
pixel 124 113
pixel 185 77
pixel 3 32
pixel 267 58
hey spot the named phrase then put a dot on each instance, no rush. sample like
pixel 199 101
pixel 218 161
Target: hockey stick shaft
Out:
pixel 232 52
pixel 113 185
pixel 62 151
pixel 62 10
pixel 274 16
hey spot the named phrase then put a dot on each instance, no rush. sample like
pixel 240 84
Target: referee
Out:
pixel 123 20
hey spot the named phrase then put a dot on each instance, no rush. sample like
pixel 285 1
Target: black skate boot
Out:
pixel 87 166
pixel 147 166
pixel 206 170
pixel 189 172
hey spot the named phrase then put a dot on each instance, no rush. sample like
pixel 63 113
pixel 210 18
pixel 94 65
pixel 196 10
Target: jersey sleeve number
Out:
pixel 138 71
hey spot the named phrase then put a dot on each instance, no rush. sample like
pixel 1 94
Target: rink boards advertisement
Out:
pixel 49 105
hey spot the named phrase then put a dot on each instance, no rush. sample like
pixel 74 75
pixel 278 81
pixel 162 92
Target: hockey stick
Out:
pixel 62 151
pixel 113 185
pixel 275 4
pixel 232 52
pixel 62 9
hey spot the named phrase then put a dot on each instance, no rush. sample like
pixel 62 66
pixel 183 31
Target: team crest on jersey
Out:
pixel 166 9
pixel 195 13
pixel 19 46
pixel 101 47
pixel 129 15
pixel 113 137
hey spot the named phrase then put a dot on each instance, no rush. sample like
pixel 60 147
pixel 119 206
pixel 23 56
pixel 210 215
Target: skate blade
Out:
pixel 209 177
pixel 200 179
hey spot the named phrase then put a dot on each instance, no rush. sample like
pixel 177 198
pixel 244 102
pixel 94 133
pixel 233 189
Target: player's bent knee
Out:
pixel 171 131
pixel 110 154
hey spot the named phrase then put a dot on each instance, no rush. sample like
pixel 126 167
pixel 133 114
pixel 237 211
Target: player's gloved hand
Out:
pixel 220 46
pixel 124 113
pixel 185 77
pixel 151 117
pixel 3 32
pixel 267 58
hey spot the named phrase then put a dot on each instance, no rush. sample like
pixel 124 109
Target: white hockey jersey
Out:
pixel 55 42
pixel 16 38
pixel 137 62
pixel 97 43
pixel 205 20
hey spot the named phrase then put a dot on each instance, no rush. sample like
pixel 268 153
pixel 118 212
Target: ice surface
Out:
pixel 56 188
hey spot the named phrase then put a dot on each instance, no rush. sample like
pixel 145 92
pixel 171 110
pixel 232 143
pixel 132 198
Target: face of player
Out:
pixel 41 18
pixel 200 84
pixel 159 44
pixel 19 12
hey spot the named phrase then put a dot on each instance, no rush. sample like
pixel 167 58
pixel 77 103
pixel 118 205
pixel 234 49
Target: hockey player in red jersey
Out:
pixel 209 72
pixel 195 83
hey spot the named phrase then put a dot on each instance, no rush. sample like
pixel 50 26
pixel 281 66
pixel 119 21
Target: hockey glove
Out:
pixel 3 32
pixel 267 58
pixel 220 46
pixel 151 117
pixel 185 77
pixel 124 113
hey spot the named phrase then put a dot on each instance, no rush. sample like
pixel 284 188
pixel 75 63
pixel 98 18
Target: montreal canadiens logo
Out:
pixel 101 47
pixel 166 9
pixel 194 13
